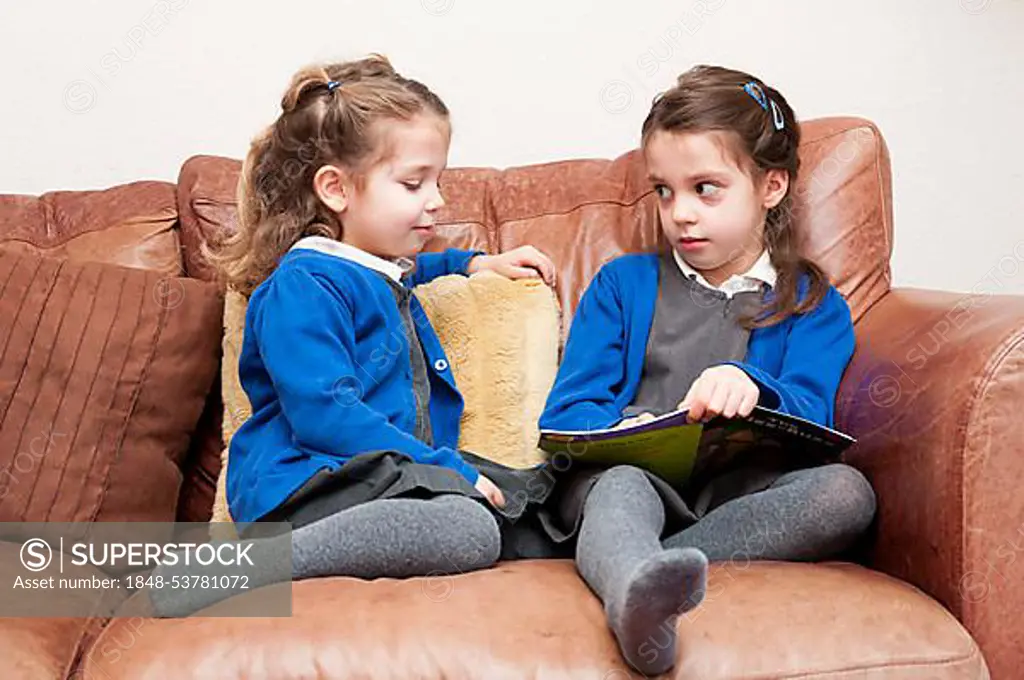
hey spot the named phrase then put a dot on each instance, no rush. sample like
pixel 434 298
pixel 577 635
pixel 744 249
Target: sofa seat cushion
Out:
pixel 537 619
pixel 44 648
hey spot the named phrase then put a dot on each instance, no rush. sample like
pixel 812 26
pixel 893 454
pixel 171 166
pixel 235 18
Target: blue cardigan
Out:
pixel 326 366
pixel 796 365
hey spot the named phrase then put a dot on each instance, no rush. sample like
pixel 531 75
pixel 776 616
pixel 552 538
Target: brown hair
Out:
pixel 712 98
pixel 329 116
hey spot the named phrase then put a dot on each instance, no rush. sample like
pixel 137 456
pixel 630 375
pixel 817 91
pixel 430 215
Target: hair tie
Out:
pixel 757 93
pixel 333 85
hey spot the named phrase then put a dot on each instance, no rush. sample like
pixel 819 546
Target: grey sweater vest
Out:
pixel 694 328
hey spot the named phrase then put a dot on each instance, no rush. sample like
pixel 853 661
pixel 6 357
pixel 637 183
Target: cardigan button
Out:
pixel 441 365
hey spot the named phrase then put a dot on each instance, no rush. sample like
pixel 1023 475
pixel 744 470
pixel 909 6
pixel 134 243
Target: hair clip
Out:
pixel 777 118
pixel 755 91
pixel 333 85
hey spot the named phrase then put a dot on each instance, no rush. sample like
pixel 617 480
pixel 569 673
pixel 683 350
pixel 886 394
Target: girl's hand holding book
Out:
pixel 720 390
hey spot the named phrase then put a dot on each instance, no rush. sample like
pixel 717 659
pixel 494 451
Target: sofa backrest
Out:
pixel 585 212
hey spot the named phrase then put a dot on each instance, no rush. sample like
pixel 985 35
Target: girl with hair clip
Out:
pixel 727 317
pixel 355 411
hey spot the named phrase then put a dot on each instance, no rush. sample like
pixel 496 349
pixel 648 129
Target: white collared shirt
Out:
pixel 392 269
pixel 761 272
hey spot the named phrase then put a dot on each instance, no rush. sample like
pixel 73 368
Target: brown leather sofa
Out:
pixel 931 394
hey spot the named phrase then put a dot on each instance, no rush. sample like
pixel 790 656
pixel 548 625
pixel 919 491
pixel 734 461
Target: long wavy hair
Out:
pixel 712 98
pixel 330 115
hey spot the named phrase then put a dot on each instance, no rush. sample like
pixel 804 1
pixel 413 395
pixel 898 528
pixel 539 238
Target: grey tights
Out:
pixel 804 515
pixel 645 582
pixel 393 538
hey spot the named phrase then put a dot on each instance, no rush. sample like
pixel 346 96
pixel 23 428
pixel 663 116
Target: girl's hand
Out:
pixel 638 420
pixel 491 491
pixel 720 390
pixel 525 262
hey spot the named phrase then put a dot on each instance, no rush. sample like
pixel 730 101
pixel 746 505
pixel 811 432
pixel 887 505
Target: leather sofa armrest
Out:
pixel 935 396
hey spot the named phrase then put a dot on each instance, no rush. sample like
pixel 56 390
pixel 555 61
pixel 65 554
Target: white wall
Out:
pixel 98 92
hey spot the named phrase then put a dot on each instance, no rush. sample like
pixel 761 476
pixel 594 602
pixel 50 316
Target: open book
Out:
pixel 685 453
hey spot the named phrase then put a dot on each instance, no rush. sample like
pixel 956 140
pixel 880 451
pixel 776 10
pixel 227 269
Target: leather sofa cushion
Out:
pixel 103 374
pixel 132 225
pixel 537 619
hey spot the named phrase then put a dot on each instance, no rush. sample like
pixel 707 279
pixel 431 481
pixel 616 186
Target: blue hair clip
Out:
pixel 757 93
pixel 333 85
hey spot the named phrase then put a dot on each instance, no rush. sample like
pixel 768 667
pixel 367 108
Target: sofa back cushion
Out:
pixel 586 212
pixel 132 225
pixel 208 206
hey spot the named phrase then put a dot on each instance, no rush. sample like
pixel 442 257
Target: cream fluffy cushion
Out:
pixel 501 337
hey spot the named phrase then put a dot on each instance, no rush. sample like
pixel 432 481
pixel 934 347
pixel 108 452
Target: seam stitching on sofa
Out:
pixel 887 227
pixel 196 231
pixel 838 133
pixel 849 669
pixel 206 200
pixel 477 223
pixel 873 304
pixel 490 216
pixel 584 204
pixel 75 237
pixel 78 651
